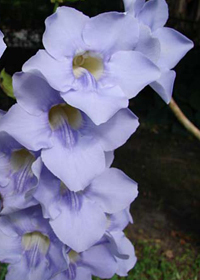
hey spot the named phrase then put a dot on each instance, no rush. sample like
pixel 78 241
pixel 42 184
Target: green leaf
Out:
pixel 6 83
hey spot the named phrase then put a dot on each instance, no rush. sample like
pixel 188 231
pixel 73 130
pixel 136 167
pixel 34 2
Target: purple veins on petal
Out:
pixel 33 251
pixel 17 180
pixel 21 162
pixel 73 199
pixel 65 121
pixel 85 211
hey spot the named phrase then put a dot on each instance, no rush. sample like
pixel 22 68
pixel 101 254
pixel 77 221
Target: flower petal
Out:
pixel 10 247
pixel 133 6
pixel 112 190
pixel 124 247
pixel 8 144
pixel 2 113
pixel 164 85
pixel 2 44
pixel 174 46
pixel 79 215
pixel 107 33
pixel 22 271
pixel 63 34
pixel 154 14
pixel 132 71
pixel 99 104
pixel 34 94
pixel 14 201
pixel 109 158
pixel 119 220
pixel 125 122
pixel 57 73
pixel 77 165
pixel 100 261
pixel 33 132
pixel 48 194
pixel 147 44
pixel 81 274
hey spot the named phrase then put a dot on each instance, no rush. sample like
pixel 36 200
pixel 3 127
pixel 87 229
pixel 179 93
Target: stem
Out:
pixel 184 120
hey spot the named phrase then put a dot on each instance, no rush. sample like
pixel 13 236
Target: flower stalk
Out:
pixel 184 120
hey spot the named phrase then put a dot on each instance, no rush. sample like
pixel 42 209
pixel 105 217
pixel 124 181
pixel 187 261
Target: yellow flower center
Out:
pixel 88 61
pixel 21 158
pixel 62 113
pixel 36 239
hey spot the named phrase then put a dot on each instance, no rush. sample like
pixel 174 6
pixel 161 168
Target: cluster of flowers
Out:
pixel 63 208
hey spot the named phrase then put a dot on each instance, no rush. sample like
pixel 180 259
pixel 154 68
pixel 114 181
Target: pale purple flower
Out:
pixel 91 61
pixel 86 212
pixel 29 245
pixel 162 45
pixel 113 254
pixel 17 181
pixel 73 147
pixel 2 44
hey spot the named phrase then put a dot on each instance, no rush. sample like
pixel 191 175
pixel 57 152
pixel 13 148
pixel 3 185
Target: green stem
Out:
pixel 184 120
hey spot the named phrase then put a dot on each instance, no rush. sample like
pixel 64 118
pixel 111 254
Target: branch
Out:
pixel 184 120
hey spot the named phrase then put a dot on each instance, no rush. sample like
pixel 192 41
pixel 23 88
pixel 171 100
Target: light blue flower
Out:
pixel 162 45
pixel 30 247
pixel 91 61
pixel 112 254
pixel 84 211
pixel 17 181
pixel 73 147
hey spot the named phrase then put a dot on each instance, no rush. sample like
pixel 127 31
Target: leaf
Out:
pixel 6 83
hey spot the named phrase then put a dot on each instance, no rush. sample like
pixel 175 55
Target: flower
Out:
pixel 17 181
pixel 2 44
pixel 30 247
pixel 91 61
pixel 73 147
pixel 84 211
pixel 164 46
pixel 114 253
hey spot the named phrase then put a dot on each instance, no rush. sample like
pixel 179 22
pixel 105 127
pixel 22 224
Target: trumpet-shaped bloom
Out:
pixel 164 46
pixel 17 181
pixel 30 247
pixel 91 61
pixel 101 260
pixel 73 147
pixel 113 254
pixel 2 44
pixel 85 211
